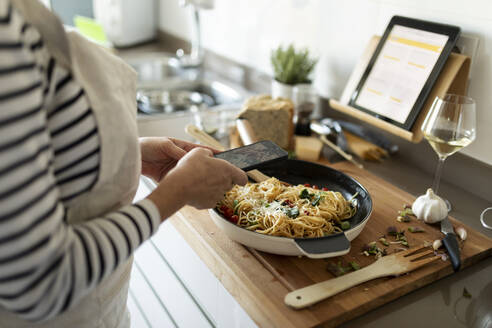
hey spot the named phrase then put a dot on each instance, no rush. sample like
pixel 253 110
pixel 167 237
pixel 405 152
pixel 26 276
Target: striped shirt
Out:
pixel 49 155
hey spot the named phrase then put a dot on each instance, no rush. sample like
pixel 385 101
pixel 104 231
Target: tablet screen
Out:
pixel 400 71
pixel 403 69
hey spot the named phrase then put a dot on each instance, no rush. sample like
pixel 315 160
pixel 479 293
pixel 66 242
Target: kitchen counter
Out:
pixel 440 303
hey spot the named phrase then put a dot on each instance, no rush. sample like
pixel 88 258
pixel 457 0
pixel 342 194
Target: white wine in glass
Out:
pixel 449 126
pixel 446 143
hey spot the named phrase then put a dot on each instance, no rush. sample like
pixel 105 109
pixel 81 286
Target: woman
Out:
pixel 69 167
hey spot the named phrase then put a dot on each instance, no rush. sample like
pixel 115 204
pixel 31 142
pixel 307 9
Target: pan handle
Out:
pixel 316 248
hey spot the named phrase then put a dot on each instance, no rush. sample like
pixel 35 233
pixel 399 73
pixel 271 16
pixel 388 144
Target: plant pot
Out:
pixel 282 90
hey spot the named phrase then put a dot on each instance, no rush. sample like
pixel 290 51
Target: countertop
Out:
pixel 440 303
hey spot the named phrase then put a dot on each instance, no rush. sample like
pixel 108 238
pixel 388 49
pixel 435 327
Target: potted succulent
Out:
pixel 291 67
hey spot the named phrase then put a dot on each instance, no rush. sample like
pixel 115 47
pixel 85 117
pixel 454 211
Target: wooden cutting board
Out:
pixel 259 281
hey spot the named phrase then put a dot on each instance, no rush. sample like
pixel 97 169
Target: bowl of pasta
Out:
pixel 303 209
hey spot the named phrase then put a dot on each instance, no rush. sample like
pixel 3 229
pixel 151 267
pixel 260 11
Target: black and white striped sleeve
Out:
pixel 46 265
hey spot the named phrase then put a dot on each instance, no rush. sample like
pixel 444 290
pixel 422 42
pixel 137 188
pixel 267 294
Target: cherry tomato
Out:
pixel 234 219
pixel 228 212
pixel 324 189
pixel 315 187
pixel 307 185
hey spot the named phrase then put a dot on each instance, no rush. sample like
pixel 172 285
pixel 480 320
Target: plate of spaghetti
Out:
pixel 303 209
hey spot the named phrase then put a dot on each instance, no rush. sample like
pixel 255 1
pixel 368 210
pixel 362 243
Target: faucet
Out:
pixel 195 58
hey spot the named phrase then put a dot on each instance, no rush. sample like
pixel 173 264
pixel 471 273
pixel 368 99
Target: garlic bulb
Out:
pixel 430 207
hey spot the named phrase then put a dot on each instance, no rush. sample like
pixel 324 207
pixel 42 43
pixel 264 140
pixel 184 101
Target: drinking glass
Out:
pixel 449 126
pixel 217 122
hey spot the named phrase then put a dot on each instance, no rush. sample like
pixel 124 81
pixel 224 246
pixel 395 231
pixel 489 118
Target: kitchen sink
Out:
pixel 153 67
pixel 169 97
pixel 181 96
pixel 164 87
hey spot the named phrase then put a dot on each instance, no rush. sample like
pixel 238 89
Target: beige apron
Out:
pixel 109 84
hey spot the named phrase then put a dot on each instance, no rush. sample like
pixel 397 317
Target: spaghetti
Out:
pixel 273 208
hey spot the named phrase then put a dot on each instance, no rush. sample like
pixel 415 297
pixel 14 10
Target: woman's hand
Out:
pixel 199 180
pixel 160 154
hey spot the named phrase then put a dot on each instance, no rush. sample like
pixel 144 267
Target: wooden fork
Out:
pixel 391 265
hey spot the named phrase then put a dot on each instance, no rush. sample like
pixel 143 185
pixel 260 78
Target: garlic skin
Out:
pixel 462 233
pixel 430 207
pixel 437 244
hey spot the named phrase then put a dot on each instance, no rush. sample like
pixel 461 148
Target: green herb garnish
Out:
pixel 392 231
pixel 404 218
pixel 345 225
pixel 354 265
pixel 336 269
pixel 339 269
pixel 383 241
pixel 415 229
pixel 466 293
pixel 305 194
pixel 292 212
pixel 405 212
pixel 316 200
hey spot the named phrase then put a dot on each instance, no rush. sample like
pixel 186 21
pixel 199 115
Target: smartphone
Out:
pixel 254 156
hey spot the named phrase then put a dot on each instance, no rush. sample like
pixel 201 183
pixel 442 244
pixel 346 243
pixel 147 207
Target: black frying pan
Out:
pixel 301 172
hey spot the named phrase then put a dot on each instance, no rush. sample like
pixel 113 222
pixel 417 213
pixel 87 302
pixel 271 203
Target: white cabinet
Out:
pixel 172 287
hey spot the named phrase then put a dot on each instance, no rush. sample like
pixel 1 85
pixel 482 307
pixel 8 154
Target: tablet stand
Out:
pixel 452 79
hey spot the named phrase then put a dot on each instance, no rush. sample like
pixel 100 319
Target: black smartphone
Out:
pixel 253 156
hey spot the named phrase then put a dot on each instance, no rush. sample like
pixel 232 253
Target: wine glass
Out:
pixel 449 126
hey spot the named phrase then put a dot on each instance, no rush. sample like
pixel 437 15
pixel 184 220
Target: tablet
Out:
pixel 403 69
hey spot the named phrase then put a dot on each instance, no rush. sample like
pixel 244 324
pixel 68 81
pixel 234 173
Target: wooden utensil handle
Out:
pixel 257 176
pixel 203 137
pixel 339 150
pixel 248 135
pixel 312 294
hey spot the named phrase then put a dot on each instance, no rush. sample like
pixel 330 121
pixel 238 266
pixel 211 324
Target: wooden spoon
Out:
pixel 391 265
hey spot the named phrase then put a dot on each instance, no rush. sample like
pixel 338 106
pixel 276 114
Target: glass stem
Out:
pixel 437 176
